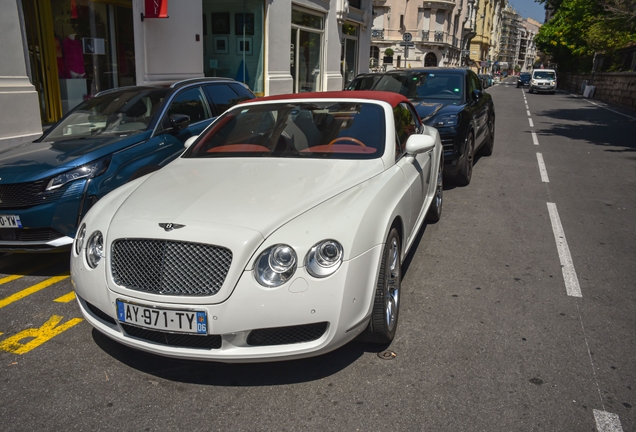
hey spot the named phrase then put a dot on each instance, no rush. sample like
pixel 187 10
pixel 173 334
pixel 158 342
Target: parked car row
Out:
pixel 452 100
pixel 278 233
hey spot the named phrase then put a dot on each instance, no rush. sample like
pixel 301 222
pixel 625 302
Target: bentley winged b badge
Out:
pixel 170 226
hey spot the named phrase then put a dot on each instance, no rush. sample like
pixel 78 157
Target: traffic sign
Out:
pixel 407 37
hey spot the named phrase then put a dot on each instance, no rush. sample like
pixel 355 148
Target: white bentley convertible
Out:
pixel 278 234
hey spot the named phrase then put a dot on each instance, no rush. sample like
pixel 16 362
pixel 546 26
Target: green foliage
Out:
pixel 388 52
pixel 579 28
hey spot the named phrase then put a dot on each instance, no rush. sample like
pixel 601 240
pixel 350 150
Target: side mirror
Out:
pixel 190 140
pixel 477 94
pixel 179 121
pixel 418 143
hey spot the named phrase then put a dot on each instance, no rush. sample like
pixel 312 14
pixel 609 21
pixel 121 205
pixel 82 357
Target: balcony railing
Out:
pixel 377 34
pixel 440 37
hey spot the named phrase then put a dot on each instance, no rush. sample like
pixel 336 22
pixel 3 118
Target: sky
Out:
pixel 529 9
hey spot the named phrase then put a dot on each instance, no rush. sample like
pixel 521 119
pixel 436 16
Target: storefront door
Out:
pixel 349 58
pixel 306 51
pixel 78 48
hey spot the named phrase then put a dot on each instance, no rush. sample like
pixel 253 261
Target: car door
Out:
pixel 478 107
pixel 416 169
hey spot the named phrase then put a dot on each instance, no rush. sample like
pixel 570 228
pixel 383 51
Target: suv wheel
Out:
pixel 466 171
pixel 489 144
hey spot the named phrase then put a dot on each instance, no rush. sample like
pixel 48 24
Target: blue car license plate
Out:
pixel 10 221
pixel 171 320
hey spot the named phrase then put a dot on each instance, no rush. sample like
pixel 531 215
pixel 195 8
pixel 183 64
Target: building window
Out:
pixel 233 47
pixel 307 34
pixel 349 55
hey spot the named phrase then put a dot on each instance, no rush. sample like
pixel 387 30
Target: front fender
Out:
pixel 359 218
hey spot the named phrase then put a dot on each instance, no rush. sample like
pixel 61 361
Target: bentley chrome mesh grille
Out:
pixel 169 267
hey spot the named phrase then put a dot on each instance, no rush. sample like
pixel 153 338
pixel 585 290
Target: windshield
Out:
pixel 544 75
pixel 524 75
pixel 336 130
pixel 423 84
pixel 117 113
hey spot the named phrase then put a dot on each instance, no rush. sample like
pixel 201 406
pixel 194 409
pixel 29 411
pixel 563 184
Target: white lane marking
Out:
pixel 530 121
pixel 535 140
pixel 605 108
pixel 572 286
pixel 528 111
pixel 542 170
pixel 607 422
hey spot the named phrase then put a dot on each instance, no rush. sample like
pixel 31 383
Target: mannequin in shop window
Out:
pixel 73 56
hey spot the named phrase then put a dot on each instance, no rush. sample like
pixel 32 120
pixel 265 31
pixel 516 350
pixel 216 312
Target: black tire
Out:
pixel 489 144
pixel 434 213
pixel 386 304
pixel 466 171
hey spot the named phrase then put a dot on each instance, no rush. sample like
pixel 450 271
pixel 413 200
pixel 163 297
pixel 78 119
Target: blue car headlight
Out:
pixel 445 120
pixel 89 170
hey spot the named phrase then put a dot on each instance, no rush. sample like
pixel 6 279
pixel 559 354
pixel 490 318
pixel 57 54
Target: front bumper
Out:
pixel 341 304
pixel 548 88
pixel 46 227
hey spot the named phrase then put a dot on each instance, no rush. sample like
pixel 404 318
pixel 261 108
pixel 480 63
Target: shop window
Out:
pixel 306 51
pixel 349 56
pixel 233 44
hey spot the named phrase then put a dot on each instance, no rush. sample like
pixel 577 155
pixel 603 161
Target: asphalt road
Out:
pixel 504 326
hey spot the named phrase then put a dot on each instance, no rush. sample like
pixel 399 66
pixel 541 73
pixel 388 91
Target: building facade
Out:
pixel 435 29
pixel 527 48
pixel 509 41
pixel 69 50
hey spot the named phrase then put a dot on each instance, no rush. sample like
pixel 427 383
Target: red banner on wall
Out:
pixel 156 9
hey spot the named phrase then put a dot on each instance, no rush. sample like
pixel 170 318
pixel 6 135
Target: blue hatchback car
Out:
pixel 48 185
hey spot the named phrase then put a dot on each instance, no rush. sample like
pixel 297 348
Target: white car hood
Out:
pixel 259 194
pixel 227 202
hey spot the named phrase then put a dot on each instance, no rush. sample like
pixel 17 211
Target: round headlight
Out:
pixel 324 258
pixel 275 266
pixel 79 239
pixel 95 249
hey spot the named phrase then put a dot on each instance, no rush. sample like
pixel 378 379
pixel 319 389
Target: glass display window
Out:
pixel 234 46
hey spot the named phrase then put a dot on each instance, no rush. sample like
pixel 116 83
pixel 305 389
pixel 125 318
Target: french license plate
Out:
pixel 172 320
pixel 10 221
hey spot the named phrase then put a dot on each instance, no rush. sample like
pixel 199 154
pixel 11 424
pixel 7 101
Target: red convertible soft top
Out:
pixel 392 98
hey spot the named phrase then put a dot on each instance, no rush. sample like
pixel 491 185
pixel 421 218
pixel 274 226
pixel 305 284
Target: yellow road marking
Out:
pixel 66 298
pixel 8 279
pixel 38 336
pixel 28 291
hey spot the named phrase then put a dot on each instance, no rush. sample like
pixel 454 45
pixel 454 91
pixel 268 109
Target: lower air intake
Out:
pixel 287 335
pixel 174 339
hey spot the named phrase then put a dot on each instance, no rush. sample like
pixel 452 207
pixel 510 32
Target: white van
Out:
pixel 543 80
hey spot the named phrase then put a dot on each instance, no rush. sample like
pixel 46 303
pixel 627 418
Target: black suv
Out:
pixel 453 101
pixel 523 79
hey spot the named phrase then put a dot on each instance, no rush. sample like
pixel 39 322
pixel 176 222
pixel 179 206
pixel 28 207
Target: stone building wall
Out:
pixel 612 87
